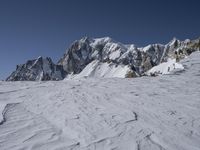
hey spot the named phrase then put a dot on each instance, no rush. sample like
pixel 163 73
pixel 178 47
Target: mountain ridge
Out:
pixel 108 56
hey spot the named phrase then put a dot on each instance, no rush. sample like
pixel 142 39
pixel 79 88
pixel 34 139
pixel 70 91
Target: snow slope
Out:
pixel 166 68
pixel 98 69
pixel 146 113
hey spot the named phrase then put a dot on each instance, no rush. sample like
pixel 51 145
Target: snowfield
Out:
pixel 147 113
pixel 166 68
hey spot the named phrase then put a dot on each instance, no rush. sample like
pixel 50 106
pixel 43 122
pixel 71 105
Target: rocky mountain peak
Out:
pixel 37 69
pixel 174 43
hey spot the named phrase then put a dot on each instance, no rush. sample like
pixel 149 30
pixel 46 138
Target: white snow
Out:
pixel 146 113
pixel 114 55
pixel 166 67
pixel 98 41
pixel 146 48
pixel 106 70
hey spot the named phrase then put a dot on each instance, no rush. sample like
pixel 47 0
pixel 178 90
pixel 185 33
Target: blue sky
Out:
pixel 32 28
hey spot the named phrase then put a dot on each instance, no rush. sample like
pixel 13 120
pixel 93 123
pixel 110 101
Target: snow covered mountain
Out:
pixel 40 69
pixel 160 113
pixel 104 57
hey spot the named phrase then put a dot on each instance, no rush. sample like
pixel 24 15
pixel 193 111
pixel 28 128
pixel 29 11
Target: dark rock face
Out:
pixel 40 69
pixel 78 56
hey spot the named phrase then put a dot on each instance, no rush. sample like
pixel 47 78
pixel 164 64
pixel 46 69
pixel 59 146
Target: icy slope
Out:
pixel 160 113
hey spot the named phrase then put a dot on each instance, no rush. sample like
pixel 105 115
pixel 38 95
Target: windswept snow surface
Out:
pixel 148 113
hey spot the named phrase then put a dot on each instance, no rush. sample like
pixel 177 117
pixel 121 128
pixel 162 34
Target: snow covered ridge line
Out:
pixel 106 58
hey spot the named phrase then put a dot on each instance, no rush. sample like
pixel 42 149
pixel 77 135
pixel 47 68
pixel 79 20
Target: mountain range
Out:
pixel 103 57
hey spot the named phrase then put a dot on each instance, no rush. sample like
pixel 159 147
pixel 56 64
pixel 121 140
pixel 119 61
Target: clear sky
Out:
pixel 32 28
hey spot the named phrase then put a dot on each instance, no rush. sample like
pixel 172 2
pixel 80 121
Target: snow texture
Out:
pixel 160 113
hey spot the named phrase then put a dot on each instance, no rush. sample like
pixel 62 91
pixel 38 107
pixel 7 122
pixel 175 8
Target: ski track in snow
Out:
pixel 147 113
